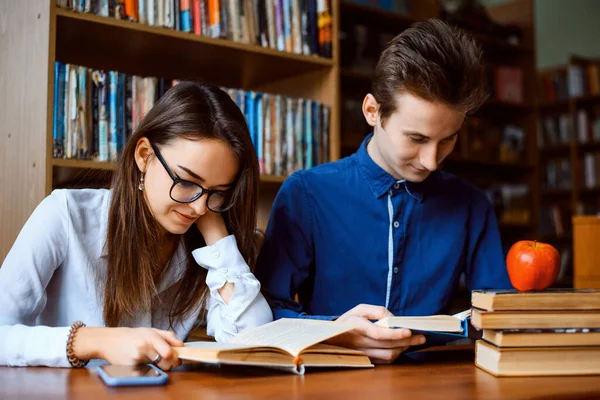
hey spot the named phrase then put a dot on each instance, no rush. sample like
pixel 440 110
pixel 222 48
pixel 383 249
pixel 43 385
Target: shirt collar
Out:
pixel 382 182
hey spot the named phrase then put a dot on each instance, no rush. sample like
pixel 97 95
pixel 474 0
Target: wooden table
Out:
pixel 437 375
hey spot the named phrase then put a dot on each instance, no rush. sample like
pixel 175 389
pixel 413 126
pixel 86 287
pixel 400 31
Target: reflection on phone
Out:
pixel 126 371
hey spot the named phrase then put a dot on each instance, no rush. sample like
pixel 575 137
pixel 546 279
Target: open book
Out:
pixel 286 344
pixel 437 329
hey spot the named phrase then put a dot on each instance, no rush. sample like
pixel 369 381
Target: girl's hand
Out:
pixel 127 346
pixel 212 227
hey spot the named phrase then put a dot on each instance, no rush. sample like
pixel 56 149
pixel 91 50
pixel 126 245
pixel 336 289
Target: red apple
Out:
pixel 532 265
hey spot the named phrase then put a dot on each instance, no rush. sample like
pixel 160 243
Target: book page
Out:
pixel 291 335
pixel 463 314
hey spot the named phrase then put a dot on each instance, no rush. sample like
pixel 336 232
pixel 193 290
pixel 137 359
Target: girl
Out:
pixel 174 235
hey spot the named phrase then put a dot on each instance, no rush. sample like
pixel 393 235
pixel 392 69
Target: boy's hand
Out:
pixel 382 345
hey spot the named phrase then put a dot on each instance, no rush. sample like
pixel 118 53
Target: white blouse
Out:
pixel 50 277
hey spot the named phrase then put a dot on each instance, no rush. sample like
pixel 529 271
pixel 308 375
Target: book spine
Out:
pixel 289 136
pixel 296 27
pixel 160 12
pixel 128 118
pixel 94 105
pixel 59 109
pixel 197 17
pixel 113 116
pixel 151 12
pixel 301 134
pixel 287 25
pixel 186 18
pixel 72 133
pixel 82 150
pixel 104 8
pixel 268 101
pixel 131 10
pixel 177 15
pixel 142 14
pixel 103 117
pixel 260 128
pixel 121 139
pixel 309 134
pixel 325 137
pixel 279 25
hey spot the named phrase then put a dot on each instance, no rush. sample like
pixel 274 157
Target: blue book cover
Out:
pixel 437 329
pixel 121 124
pixel 113 117
pixel 260 127
pixel 249 114
pixel 308 138
pixel 60 72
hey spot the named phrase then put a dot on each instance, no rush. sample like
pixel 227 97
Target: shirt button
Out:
pixel 395 270
pixel 396 185
pixel 224 270
pixel 216 255
pixel 396 224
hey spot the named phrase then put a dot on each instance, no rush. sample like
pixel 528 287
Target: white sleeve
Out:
pixel 27 269
pixel 247 307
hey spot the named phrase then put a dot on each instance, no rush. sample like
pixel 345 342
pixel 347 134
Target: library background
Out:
pixel 82 74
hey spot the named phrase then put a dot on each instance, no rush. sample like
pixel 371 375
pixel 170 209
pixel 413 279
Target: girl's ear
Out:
pixel 143 151
pixel 370 109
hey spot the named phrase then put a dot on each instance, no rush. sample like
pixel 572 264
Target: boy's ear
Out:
pixel 370 109
pixel 143 151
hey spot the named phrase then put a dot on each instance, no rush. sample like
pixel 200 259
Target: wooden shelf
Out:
pixel 468 163
pixel 514 227
pixel 111 166
pixel 350 73
pixel 589 146
pixel 140 49
pixel 554 238
pixel 376 14
pixel 553 104
pixel 583 100
pixel 556 192
pixel 563 103
pixel 559 149
pixel 589 191
pixel 490 43
pixel 83 164
pixel 506 105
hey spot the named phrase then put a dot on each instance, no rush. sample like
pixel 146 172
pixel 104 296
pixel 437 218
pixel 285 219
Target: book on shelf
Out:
pixel 549 299
pixel 95 113
pixel 537 361
pixel 295 26
pixel 508 84
pixel 290 345
pixel 542 337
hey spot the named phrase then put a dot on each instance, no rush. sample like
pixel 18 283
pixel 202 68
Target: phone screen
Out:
pixel 126 371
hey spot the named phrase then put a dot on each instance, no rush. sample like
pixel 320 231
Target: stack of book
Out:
pixel 553 332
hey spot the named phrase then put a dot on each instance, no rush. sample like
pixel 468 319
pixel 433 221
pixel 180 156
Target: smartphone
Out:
pixel 135 375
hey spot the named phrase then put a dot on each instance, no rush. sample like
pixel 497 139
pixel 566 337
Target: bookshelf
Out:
pixel 480 163
pixel 569 152
pixel 40 33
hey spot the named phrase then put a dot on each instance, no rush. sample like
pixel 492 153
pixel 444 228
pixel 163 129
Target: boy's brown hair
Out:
pixel 434 61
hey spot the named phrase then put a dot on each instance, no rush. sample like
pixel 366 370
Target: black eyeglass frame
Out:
pixel 177 180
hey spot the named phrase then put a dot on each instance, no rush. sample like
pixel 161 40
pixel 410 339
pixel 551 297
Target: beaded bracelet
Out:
pixel 75 362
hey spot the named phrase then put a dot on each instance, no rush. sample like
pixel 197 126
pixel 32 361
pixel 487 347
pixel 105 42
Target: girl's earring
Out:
pixel 141 185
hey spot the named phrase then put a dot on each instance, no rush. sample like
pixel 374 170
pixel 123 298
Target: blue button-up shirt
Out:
pixel 347 232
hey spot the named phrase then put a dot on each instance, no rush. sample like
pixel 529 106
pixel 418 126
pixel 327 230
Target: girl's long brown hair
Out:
pixel 192 111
